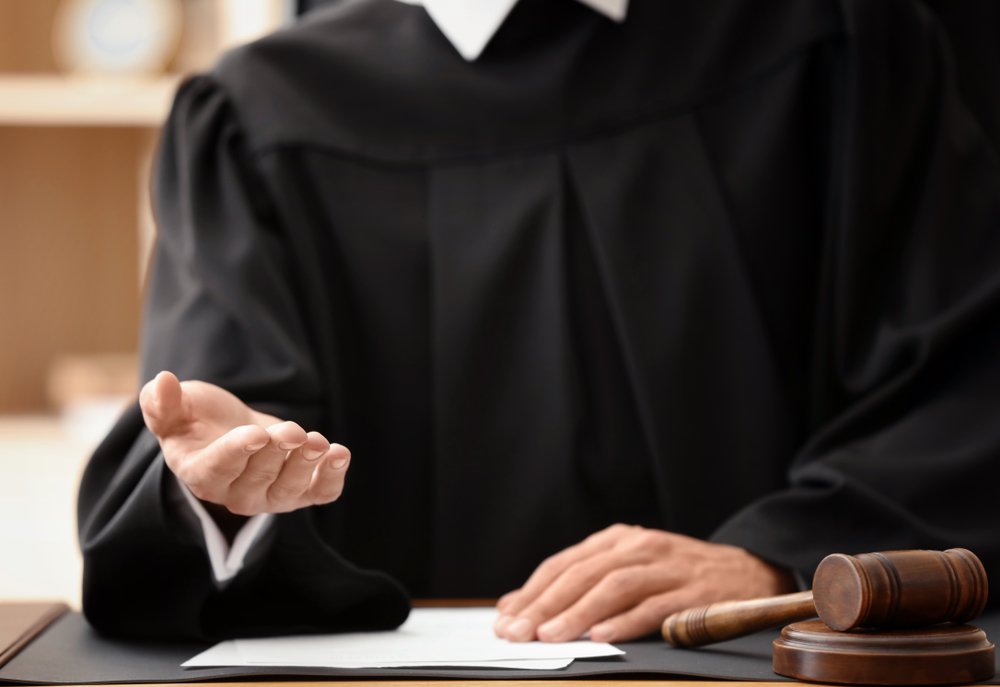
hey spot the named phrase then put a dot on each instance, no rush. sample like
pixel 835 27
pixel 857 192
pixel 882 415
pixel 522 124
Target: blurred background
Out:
pixel 84 87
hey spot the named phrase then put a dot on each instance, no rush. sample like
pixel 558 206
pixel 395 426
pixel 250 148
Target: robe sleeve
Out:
pixel 904 447
pixel 221 307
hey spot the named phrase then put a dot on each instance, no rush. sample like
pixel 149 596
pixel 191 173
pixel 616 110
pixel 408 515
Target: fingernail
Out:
pixel 312 455
pixel 288 445
pixel 553 630
pixel 340 463
pixel 519 630
pixel 253 448
pixel 602 633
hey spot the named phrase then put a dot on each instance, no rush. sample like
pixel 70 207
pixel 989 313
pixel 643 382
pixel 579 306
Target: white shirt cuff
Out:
pixel 226 561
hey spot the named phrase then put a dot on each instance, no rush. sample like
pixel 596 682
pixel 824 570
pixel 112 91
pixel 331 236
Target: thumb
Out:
pixel 162 404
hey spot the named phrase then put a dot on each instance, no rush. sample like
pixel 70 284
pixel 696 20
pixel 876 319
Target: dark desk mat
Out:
pixel 70 652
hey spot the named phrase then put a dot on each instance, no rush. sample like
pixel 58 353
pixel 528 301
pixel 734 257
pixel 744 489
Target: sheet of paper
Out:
pixel 458 637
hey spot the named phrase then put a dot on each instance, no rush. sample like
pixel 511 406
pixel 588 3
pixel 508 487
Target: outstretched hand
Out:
pixel 620 584
pixel 231 455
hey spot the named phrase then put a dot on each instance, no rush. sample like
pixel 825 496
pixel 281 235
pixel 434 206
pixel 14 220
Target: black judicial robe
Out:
pixel 730 269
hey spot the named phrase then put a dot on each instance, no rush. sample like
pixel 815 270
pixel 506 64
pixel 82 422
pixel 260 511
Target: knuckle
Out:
pixel 649 544
pixel 539 612
pixel 620 529
pixel 660 606
pixel 551 564
pixel 283 491
pixel 596 537
pixel 510 600
pixel 623 581
pixel 261 476
pixel 538 609
pixel 290 428
pixel 648 539
pixel 317 441
pixel 583 573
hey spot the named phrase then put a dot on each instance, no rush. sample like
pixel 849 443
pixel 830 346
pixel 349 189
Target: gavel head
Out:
pixel 899 589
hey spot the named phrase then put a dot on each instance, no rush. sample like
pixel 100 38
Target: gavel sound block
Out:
pixel 912 592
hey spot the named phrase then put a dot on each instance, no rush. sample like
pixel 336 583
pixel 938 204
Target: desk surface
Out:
pixel 376 682
pixel 69 652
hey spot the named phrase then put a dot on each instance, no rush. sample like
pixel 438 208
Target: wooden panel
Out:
pixel 22 622
pixel 26 35
pixel 54 100
pixel 68 251
pixel 545 682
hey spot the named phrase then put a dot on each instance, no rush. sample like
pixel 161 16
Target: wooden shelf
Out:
pixel 85 101
pixel 75 158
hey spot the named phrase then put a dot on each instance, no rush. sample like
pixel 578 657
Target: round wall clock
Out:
pixel 116 36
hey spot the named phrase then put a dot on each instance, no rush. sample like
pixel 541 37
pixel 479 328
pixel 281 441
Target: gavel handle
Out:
pixel 730 619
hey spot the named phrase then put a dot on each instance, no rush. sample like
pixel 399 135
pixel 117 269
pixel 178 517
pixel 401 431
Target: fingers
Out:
pixel 292 470
pixel 218 447
pixel 586 594
pixel 252 470
pixel 328 480
pixel 296 473
pixel 631 579
pixel 210 472
pixel 161 401
pixel 248 493
pixel 554 566
pixel 622 589
pixel 570 587
pixel 552 587
pixel 643 619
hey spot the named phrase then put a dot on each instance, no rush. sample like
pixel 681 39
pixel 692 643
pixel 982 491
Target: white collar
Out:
pixel 470 24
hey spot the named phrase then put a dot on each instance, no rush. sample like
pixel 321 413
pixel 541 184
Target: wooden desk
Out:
pixel 540 682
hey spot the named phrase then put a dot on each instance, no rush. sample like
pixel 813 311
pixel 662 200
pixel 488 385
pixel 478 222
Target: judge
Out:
pixel 674 297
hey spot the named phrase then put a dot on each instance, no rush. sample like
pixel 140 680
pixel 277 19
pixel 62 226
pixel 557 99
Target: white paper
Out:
pixel 453 637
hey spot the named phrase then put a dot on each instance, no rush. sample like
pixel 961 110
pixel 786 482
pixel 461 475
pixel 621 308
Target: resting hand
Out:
pixel 231 455
pixel 620 584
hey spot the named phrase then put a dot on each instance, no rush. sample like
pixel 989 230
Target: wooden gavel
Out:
pixel 894 589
